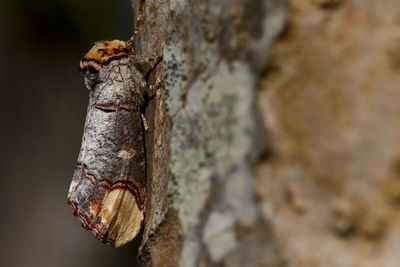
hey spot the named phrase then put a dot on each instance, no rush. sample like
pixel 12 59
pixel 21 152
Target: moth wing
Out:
pixel 121 216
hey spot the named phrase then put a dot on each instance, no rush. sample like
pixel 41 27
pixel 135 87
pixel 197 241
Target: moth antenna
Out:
pixel 130 41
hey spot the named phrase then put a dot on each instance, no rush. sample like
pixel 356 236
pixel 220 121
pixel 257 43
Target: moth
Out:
pixel 108 188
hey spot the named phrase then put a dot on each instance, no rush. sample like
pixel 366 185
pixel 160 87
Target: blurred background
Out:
pixel 43 108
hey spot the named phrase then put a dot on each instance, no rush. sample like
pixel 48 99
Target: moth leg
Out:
pixel 153 90
pixel 146 64
pixel 145 125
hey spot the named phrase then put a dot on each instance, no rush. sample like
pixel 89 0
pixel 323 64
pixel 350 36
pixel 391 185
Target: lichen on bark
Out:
pixel 212 55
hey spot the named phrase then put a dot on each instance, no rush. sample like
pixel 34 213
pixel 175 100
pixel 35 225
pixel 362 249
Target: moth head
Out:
pixel 100 55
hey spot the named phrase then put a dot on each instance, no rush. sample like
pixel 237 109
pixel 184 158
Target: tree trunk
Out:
pixel 204 137
pixel 272 138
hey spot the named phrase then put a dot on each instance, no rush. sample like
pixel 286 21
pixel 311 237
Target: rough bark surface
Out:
pixel 203 131
pixel 274 137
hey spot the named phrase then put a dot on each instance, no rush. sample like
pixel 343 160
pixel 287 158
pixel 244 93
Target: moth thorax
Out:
pixel 102 53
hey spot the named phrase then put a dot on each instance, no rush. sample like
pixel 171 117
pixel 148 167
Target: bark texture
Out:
pixel 203 126
pixel 273 138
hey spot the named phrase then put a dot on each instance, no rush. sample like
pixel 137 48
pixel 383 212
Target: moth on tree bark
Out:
pixel 108 189
pixel 202 140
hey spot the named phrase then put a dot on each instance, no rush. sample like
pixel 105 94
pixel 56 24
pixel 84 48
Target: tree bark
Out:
pixel 273 139
pixel 204 136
